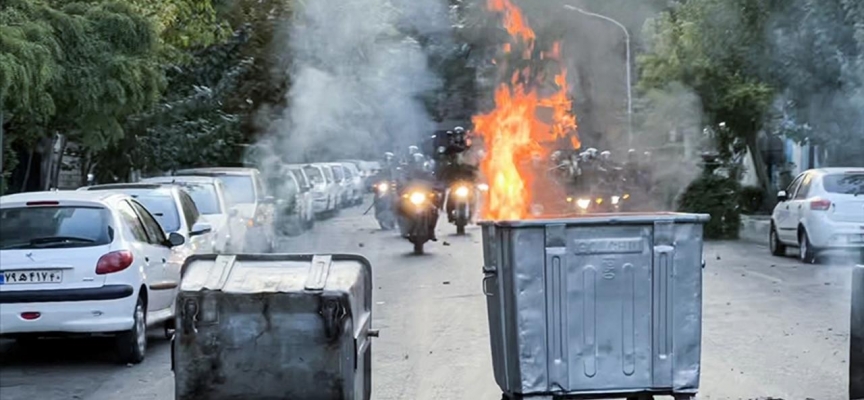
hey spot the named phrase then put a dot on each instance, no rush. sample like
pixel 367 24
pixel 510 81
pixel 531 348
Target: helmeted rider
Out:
pixel 417 173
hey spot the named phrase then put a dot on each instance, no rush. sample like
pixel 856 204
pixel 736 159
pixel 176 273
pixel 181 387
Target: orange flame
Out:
pixel 514 134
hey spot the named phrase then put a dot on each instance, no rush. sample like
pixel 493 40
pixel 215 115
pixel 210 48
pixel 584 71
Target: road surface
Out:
pixel 772 327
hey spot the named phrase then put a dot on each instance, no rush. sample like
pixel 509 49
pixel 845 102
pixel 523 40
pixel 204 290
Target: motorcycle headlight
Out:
pixel 383 187
pixel 417 198
pixel 483 187
pixel 461 191
pixel 583 203
pixel 616 200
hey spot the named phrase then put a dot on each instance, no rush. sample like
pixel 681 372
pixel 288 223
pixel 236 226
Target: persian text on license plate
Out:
pixel 34 276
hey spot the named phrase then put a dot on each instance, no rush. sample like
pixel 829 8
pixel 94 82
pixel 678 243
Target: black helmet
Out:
pixel 459 130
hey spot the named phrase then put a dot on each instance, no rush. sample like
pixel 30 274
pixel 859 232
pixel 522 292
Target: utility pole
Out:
pixel 629 66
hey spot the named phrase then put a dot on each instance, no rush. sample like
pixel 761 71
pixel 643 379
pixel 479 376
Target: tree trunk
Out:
pixel 27 170
pixel 45 148
pixel 761 169
pixel 58 166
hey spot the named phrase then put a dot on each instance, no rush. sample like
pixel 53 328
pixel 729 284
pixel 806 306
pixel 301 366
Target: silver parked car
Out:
pixel 213 203
pixel 305 197
pixel 323 192
pixel 249 196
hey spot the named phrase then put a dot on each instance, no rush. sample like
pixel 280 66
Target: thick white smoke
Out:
pixel 357 78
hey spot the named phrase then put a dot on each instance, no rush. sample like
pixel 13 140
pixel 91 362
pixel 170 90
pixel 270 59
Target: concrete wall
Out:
pixel 754 229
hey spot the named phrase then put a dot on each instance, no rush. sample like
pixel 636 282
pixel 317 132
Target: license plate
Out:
pixel 34 276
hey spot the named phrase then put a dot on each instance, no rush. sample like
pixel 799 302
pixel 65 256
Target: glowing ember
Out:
pixel 515 136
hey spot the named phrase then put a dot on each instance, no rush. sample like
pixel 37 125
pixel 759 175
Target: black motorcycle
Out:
pixel 460 205
pixel 418 214
pixel 384 203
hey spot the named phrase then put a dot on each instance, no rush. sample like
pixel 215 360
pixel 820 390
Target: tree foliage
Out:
pixel 76 68
pixel 715 48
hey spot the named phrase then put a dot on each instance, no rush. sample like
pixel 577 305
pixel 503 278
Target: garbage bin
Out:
pixel 856 336
pixel 595 306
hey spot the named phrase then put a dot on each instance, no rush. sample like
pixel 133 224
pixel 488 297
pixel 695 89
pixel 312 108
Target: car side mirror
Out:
pixel 200 228
pixel 175 239
pixel 782 196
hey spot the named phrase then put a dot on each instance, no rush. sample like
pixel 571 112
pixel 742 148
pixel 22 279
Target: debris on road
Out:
pixel 445 283
pixel 446 243
pixel 361 245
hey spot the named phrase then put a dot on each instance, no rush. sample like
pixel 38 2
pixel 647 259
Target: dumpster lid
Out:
pixel 604 219
pixel 263 273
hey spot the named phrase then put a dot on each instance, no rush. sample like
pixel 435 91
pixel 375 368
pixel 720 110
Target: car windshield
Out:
pixel 852 183
pixel 337 173
pixel 299 176
pixel 205 197
pixel 328 173
pixel 241 188
pixel 53 227
pixel 164 208
pixel 314 174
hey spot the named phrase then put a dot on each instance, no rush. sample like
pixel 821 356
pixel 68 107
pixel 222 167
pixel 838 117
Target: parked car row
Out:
pixel 107 259
pixel 329 187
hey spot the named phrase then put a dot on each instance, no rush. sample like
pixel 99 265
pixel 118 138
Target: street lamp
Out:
pixel 629 73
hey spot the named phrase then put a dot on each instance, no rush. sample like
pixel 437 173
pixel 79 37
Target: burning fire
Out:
pixel 514 134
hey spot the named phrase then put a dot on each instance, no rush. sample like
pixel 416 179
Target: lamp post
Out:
pixel 629 71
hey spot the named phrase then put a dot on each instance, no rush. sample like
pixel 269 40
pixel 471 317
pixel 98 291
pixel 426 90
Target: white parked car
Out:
pixel 823 209
pixel 213 202
pixel 249 196
pixel 342 183
pixel 306 197
pixel 175 211
pixel 83 263
pixel 326 190
pixel 355 180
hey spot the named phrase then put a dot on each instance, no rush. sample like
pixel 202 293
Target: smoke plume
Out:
pixel 357 78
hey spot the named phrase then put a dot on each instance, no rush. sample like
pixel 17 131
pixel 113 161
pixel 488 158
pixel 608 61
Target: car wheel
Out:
pixel 777 247
pixel 132 344
pixel 807 252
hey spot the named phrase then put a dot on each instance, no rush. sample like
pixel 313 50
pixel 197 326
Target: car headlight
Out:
pixel 417 198
pixel 383 187
pixel 583 203
pixel 461 191
pixel 616 200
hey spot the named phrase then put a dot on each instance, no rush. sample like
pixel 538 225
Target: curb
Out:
pixel 754 229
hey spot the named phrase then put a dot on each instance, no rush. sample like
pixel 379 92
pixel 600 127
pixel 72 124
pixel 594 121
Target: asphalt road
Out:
pixel 772 327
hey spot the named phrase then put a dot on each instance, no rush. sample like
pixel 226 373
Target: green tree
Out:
pixel 80 69
pixel 816 62
pixel 716 48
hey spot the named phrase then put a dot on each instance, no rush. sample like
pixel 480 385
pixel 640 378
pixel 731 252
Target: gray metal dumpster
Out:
pixel 274 326
pixel 856 336
pixel 595 306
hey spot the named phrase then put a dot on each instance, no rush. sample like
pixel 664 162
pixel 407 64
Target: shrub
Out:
pixel 718 196
pixel 752 200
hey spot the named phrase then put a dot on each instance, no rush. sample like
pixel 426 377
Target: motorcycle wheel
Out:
pixel 418 248
pixel 460 228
